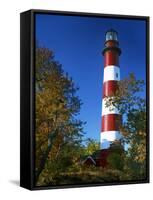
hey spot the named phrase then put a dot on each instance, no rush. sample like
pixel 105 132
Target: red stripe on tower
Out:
pixel 111 117
pixel 111 58
pixel 111 122
pixel 110 88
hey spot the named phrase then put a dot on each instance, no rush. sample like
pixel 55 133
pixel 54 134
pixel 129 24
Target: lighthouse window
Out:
pixel 116 75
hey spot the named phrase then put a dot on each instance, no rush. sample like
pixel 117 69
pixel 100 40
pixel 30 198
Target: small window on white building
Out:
pixel 116 75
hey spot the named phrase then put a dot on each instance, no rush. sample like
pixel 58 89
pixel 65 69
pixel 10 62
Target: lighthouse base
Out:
pixel 102 160
pixel 104 157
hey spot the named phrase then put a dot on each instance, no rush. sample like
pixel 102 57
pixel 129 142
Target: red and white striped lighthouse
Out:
pixel 110 115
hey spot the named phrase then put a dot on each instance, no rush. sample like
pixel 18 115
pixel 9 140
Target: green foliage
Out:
pixel 115 161
pixel 116 157
pixel 91 146
pixel 132 105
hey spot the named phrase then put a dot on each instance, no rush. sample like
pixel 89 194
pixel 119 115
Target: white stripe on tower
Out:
pixel 111 72
pixel 111 136
pixel 108 109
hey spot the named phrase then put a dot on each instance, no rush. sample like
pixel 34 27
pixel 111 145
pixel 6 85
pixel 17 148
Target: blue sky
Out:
pixel 77 43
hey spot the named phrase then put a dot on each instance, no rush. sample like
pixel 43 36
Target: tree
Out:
pixel 116 157
pixel 57 105
pixel 91 146
pixel 131 104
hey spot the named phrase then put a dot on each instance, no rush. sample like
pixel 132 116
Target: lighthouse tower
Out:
pixel 110 115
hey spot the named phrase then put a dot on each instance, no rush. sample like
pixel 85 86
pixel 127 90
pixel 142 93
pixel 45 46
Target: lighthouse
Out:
pixel 111 117
pixel 110 136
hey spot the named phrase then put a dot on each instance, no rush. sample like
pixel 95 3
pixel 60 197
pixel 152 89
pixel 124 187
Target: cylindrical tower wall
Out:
pixel 111 117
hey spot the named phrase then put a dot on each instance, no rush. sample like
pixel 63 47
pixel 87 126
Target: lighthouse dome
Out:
pixel 111 35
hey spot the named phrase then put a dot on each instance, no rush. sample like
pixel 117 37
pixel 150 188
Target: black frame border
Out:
pixel 27 96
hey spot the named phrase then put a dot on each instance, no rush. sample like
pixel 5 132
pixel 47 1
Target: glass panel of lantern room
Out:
pixel 111 36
